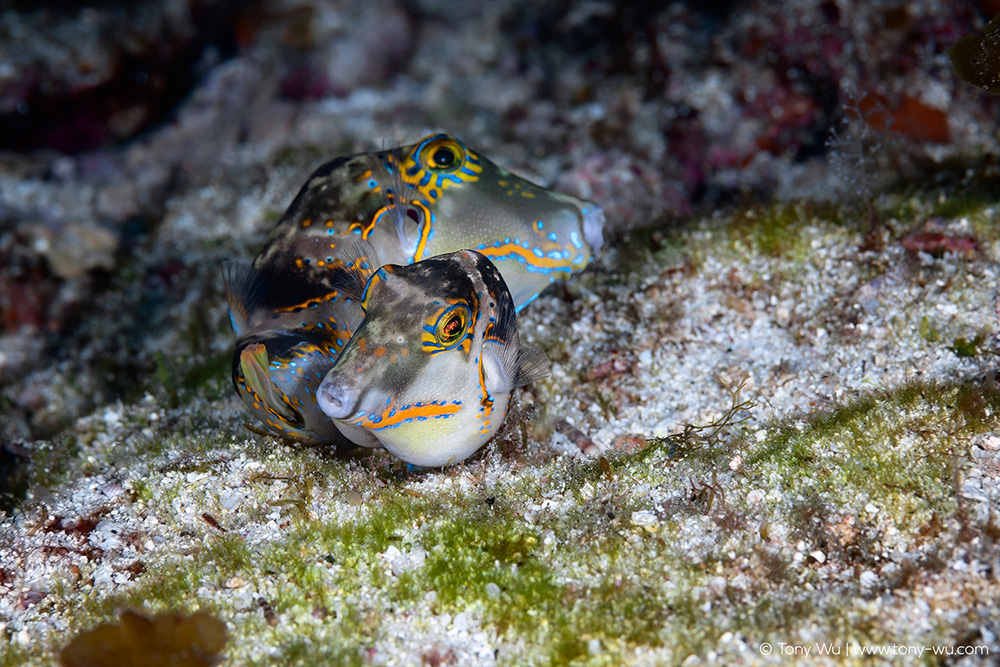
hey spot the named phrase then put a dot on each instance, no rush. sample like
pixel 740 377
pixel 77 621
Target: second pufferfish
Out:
pixel 418 355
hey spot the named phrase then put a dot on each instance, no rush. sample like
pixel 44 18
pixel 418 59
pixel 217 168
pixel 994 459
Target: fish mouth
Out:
pixel 335 398
pixel 593 226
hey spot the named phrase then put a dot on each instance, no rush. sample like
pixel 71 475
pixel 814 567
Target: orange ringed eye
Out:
pixel 452 326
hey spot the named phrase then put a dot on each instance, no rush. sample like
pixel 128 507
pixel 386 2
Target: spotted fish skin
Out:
pixel 429 372
pixel 277 366
pixel 290 310
pixel 433 197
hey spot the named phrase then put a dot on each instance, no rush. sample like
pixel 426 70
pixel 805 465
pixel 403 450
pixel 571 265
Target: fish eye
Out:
pixel 443 157
pixel 452 326
pixel 443 154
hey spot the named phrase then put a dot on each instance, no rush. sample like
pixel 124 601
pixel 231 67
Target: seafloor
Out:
pixel 786 353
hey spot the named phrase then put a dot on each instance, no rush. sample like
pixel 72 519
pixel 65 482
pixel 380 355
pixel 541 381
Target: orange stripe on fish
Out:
pixel 393 417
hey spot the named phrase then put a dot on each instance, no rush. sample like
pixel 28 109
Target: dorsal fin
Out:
pixel 244 291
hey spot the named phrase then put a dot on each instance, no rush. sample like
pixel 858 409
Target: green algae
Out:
pixel 471 543
pixel 14 656
pixel 887 446
pixel 466 558
pixel 928 331
pixel 50 461
pixel 182 378
pixel 566 581
pixel 304 652
pixel 783 230
pixel 973 200
pixel 775 231
pixel 967 348
pixel 463 558
pixel 141 491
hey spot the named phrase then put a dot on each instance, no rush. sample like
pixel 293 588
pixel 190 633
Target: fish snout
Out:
pixel 336 398
pixel 593 226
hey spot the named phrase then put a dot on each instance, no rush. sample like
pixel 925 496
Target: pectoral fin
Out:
pixel 254 365
pixel 350 274
pixel 532 365
pixel 506 369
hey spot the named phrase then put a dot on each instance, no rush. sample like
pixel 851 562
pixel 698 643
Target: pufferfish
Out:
pixel 429 372
pixel 399 218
